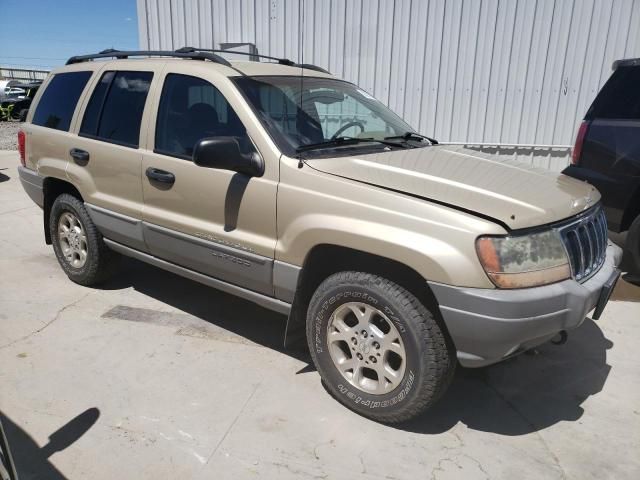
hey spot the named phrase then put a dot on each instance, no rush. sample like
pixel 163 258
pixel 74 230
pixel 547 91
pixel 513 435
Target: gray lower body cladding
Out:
pixel 226 263
pixel 119 228
pixel 487 325
pixel 255 297
pixel 285 280
pixel 32 184
pixel 260 279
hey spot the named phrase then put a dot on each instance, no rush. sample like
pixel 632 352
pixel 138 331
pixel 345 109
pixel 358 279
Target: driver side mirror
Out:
pixel 224 153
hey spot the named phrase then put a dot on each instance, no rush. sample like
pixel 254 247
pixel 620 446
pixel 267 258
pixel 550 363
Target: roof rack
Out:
pixel 191 53
pixel 281 61
pixel 111 53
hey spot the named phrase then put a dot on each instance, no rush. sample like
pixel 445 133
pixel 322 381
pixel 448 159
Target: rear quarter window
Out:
pixel 620 97
pixel 58 102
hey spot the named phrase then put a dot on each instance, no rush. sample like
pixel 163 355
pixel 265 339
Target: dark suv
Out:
pixel 607 153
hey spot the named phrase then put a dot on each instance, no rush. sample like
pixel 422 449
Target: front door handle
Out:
pixel 160 175
pixel 79 155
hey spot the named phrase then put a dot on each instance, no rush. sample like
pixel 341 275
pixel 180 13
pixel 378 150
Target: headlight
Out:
pixel 524 261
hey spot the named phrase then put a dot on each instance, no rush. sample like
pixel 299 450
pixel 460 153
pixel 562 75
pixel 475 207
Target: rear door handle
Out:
pixel 79 155
pixel 160 175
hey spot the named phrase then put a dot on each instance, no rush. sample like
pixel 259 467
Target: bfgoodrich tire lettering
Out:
pixel 430 362
pixel 100 261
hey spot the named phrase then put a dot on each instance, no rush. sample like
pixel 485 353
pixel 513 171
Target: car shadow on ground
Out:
pixel 31 460
pixel 527 393
pixel 233 314
pixel 519 396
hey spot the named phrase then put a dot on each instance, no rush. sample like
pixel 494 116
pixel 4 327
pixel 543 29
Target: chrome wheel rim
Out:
pixel 366 348
pixel 72 240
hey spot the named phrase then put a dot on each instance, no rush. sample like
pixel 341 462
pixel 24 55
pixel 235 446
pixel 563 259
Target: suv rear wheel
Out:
pixel 77 243
pixel 377 348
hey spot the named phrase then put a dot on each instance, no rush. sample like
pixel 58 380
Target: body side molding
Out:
pixel 255 297
pixel 121 228
pixel 230 264
pixel 210 258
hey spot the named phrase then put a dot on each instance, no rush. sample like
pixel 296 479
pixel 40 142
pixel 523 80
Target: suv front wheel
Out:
pixel 378 349
pixel 77 242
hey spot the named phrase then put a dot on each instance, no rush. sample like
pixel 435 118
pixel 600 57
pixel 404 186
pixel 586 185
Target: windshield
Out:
pixel 307 111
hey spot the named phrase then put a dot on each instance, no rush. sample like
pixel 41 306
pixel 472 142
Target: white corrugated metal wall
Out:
pixel 476 71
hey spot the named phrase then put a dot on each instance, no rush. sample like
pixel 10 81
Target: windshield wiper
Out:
pixel 412 136
pixel 342 141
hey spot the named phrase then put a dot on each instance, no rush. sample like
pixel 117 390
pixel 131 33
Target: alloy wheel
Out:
pixel 72 240
pixel 366 348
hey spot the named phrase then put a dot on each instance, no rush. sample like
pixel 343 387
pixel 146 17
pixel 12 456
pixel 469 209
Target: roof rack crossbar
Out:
pixel 281 61
pixel 111 53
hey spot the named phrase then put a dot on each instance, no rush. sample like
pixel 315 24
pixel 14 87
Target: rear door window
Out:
pixel 620 98
pixel 92 113
pixel 114 112
pixel 58 102
pixel 192 109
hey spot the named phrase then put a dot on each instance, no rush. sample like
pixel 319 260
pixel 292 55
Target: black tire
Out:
pixel 22 116
pixel 632 246
pixel 100 261
pixel 430 358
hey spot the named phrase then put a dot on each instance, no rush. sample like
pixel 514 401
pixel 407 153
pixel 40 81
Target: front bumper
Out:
pixel 488 325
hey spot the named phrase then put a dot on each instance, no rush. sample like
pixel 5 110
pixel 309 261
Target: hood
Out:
pixel 513 193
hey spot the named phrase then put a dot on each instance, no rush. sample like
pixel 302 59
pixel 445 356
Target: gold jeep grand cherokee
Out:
pixel 284 185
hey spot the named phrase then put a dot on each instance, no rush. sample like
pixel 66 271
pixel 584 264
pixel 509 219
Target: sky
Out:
pixel 43 34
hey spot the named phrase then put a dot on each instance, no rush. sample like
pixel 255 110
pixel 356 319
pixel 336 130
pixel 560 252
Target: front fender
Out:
pixel 432 257
pixel 315 208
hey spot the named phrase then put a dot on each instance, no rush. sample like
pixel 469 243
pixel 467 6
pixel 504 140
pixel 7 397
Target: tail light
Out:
pixel 577 149
pixel 21 145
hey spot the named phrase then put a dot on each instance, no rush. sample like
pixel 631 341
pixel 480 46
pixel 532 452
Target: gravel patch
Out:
pixel 9 135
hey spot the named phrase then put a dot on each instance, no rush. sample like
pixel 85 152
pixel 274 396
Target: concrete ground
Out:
pixel 153 376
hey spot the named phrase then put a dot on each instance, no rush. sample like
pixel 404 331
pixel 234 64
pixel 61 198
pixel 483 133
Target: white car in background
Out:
pixel 15 92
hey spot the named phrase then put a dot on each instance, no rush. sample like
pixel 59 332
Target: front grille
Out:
pixel 585 239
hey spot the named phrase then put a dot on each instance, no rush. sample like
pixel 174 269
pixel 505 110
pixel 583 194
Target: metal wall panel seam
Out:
pixel 544 74
pixel 493 41
pixel 564 63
